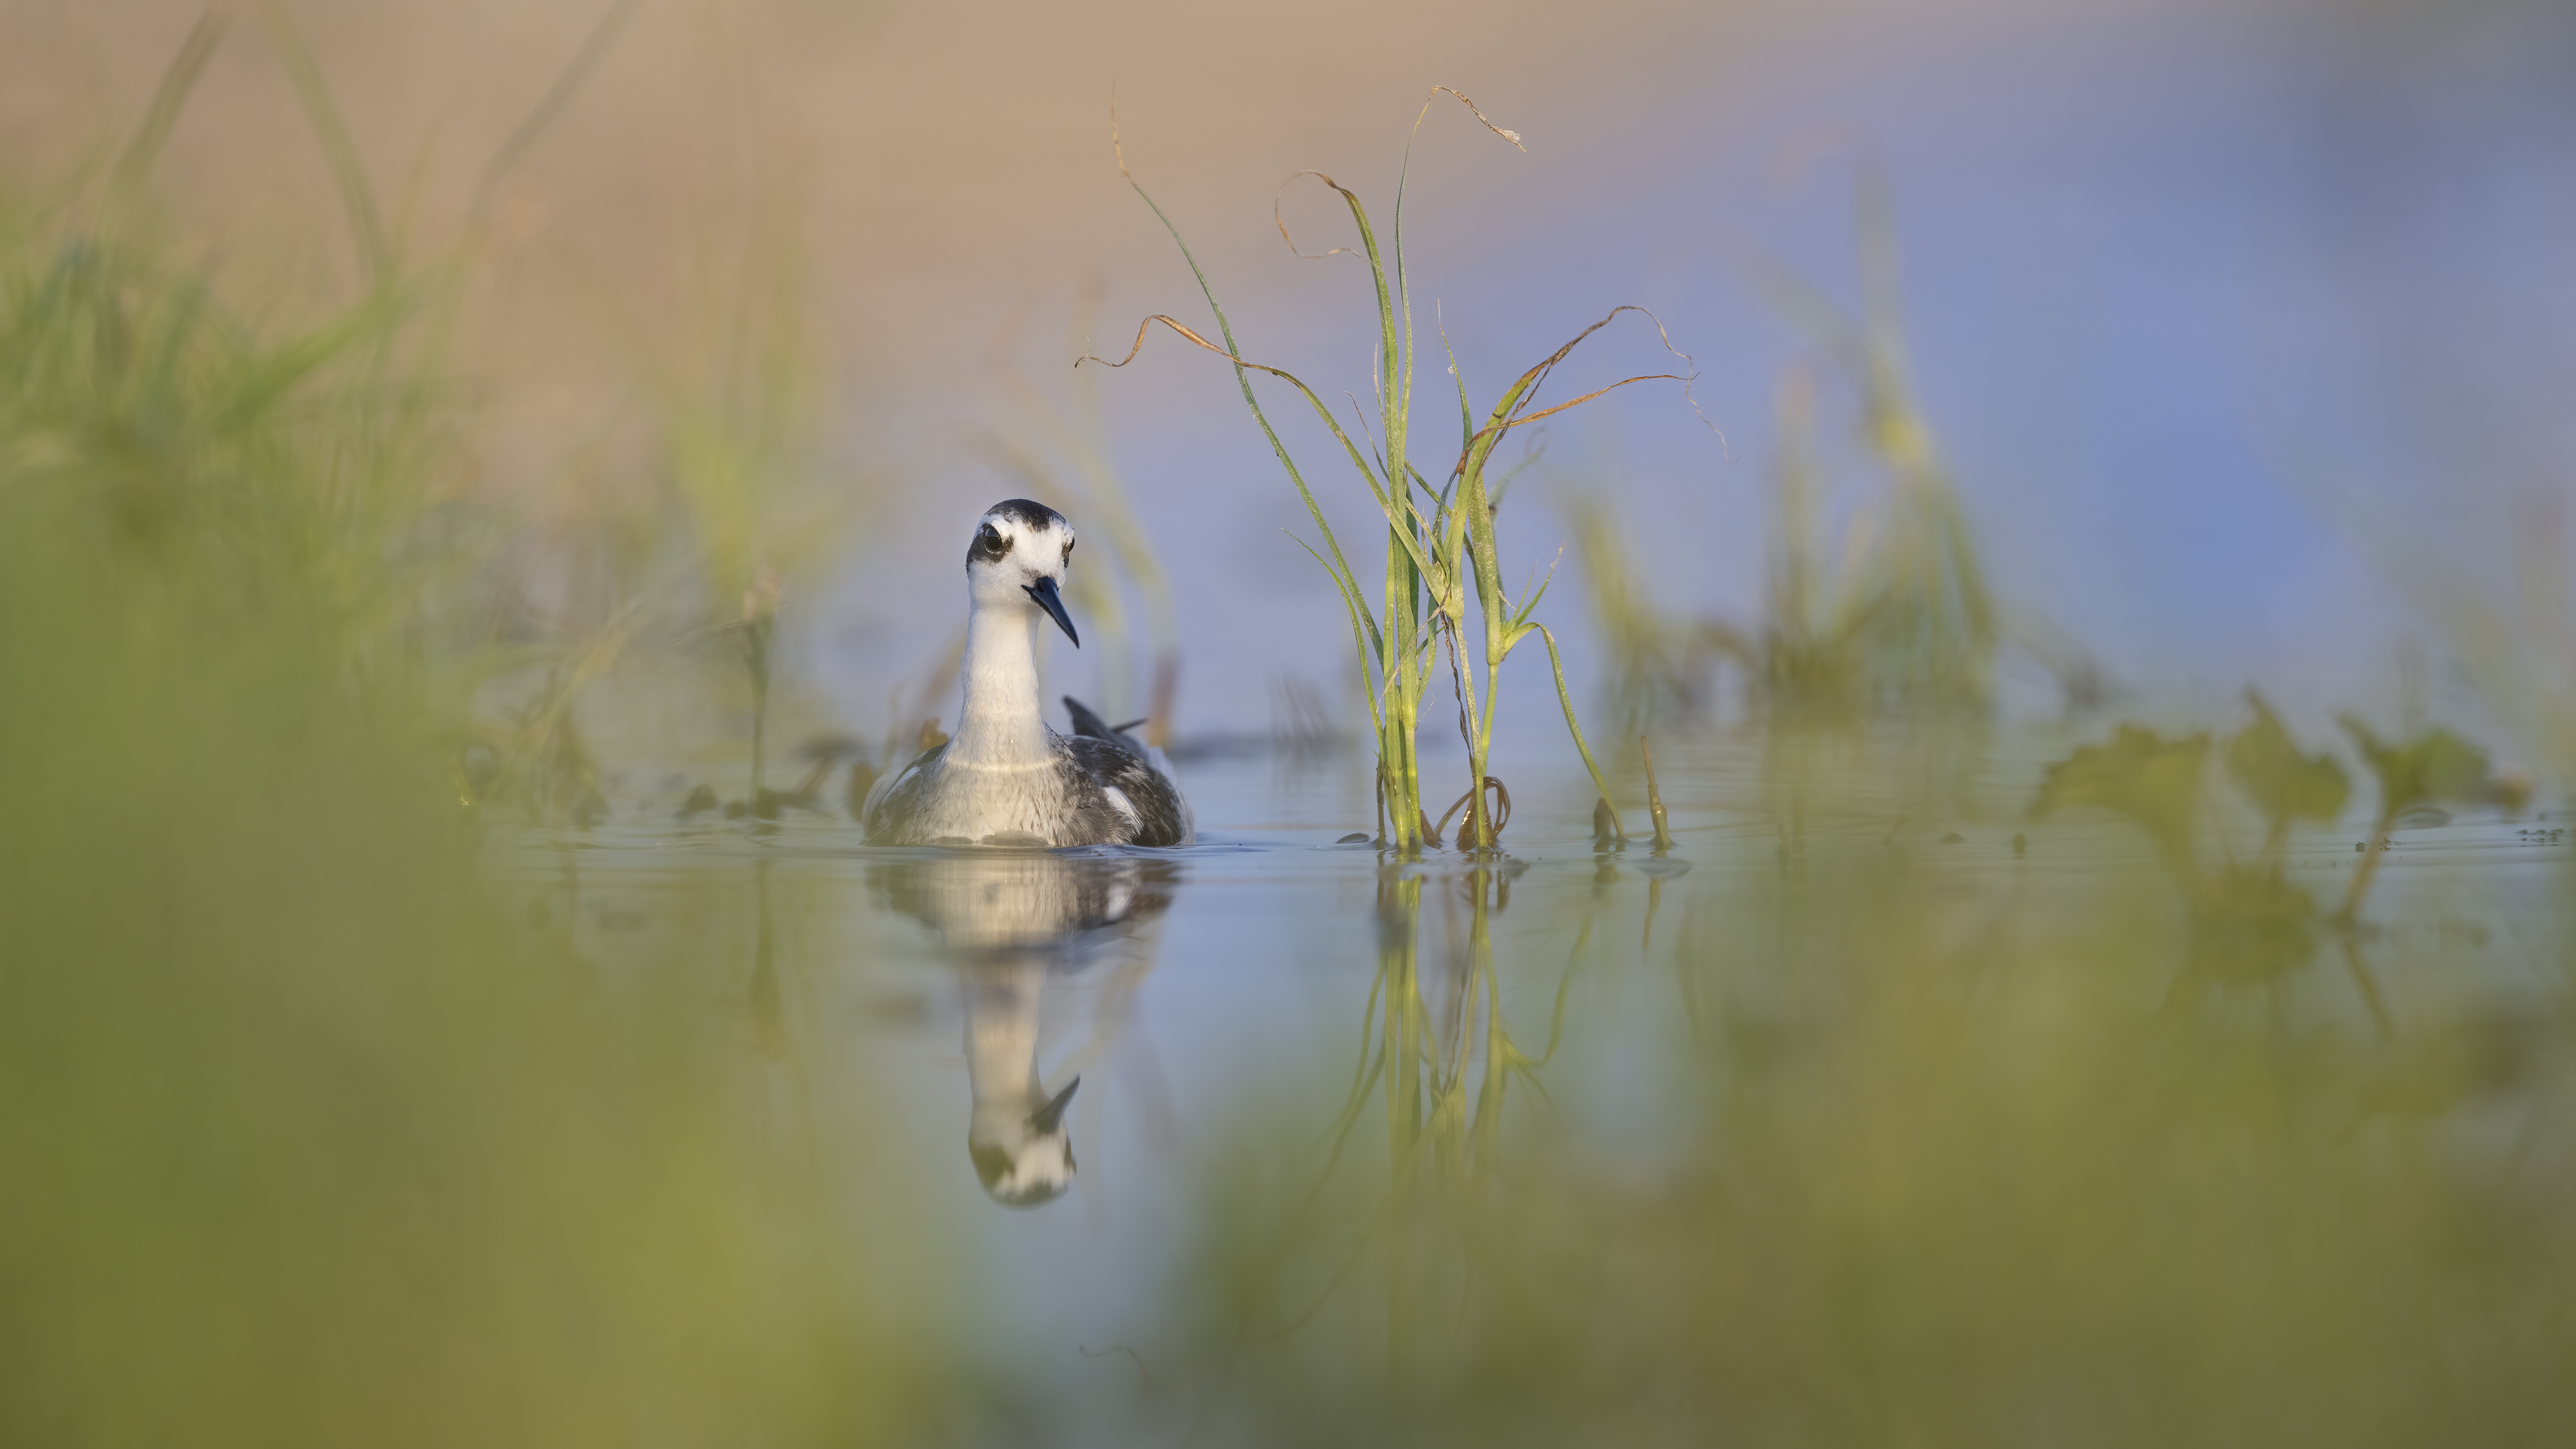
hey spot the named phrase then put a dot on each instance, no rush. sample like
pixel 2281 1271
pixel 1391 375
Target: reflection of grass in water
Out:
pixel 1931 1166
pixel 1438 1052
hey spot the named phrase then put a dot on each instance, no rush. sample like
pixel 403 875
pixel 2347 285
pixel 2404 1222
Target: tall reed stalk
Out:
pixel 1439 541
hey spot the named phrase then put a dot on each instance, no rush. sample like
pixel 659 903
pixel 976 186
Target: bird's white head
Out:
pixel 1019 559
pixel 1027 1161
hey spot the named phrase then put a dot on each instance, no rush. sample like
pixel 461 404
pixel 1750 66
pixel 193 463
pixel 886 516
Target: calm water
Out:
pixel 912 1018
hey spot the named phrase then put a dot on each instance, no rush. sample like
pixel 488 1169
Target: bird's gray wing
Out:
pixel 1106 777
pixel 889 812
pixel 1161 765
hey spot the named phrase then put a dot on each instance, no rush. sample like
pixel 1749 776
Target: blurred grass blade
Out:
pixel 168 98
pixel 524 136
pixel 1574 727
pixel 357 194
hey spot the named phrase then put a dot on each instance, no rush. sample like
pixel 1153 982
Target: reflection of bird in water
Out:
pixel 1005 778
pixel 1022 1150
pixel 1007 922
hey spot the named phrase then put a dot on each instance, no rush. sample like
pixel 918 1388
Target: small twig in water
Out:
pixel 1133 1355
pixel 1502 814
pixel 1655 799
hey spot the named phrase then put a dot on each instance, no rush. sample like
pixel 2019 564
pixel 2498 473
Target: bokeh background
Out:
pixel 2226 314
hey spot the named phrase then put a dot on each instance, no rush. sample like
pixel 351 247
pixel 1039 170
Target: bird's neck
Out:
pixel 1002 1039
pixel 1000 724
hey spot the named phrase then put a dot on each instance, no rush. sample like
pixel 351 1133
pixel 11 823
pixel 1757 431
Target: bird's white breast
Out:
pixel 977 800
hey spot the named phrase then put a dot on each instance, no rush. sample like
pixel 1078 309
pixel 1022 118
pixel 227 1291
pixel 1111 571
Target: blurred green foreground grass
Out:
pixel 300 1144
pixel 1909 1159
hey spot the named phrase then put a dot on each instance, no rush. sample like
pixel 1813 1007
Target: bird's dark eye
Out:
pixel 989 540
pixel 1068 548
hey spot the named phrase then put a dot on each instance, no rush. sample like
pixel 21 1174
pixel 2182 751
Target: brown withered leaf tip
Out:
pixel 1688 380
pixel 1282 220
pixel 1463 99
pixel 1147 325
pixel 1512 136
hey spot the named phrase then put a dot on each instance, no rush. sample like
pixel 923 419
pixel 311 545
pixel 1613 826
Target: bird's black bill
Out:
pixel 1044 592
pixel 1045 1118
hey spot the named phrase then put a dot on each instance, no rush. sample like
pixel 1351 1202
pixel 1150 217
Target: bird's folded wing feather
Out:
pixel 887 784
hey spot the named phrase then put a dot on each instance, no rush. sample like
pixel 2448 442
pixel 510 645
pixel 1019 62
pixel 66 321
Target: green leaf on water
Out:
pixel 2153 781
pixel 2436 765
pixel 2283 783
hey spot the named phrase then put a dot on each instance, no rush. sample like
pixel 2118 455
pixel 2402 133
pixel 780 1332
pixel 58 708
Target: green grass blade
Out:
pixel 290 364
pixel 1387 504
pixel 1466 411
pixel 1364 634
pixel 1225 329
pixel 1391 352
pixel 1507 411
pixel 1574 727
pixel 1520 617
pixel 167 99
pixel 1404 295
pixel 524 137
pixel 366 223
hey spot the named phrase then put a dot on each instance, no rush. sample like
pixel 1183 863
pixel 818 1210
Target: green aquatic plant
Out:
pixel 1440 542
pixel 2285 785
pixel 1661 664
pixel 742 390
pixel 1810 657
pixel 2435 765
pixel 146 426
pixel 308 1139
pixel 2155 782
pixel 2248 921
pixel 538 756
pixel 407 552
pixel 2507 619
pixel 1912 602
pixel 308 1142
pixel 1891 616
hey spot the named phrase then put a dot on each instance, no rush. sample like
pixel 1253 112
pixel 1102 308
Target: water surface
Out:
pixel 919 1020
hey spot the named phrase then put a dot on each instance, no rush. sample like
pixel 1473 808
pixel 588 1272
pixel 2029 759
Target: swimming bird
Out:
pixel 1005 777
